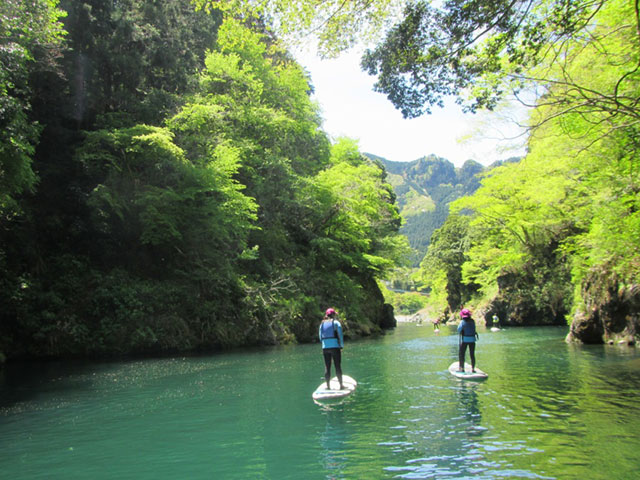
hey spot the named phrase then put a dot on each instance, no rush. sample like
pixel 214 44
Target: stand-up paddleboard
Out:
pixel 467 374
pixel 495 329
pixel 323 393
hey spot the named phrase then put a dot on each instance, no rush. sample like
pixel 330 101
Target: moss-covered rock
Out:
pixel 528 297
pixel 609 312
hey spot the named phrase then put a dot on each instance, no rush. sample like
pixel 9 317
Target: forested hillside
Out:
pixel 166 184
pixel 167 187
pixel 424 189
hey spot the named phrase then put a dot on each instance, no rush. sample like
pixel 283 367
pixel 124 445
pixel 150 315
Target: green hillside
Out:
pixel 424 188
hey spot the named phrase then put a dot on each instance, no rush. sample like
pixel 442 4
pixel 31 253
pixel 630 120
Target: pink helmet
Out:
pixel 465 313
pixel 329 312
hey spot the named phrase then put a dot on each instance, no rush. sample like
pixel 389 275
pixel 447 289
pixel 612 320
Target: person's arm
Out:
pixel 340 337
pixel 460 326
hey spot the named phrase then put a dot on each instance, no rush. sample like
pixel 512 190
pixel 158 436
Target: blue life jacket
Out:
pixel 329 330
pixel 467 330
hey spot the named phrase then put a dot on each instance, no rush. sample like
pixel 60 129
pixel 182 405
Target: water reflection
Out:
pixel 548 410
pixel 333 441
pixel 468 398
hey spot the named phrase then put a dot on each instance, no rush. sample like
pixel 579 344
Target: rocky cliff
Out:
pixel 610 312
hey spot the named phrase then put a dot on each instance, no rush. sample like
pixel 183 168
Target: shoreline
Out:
pixel 415 318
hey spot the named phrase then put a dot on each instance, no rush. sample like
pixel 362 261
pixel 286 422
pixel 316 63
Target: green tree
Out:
pixel 132 60
pixel 441 269
pixel 152 203
pixel 30 42
pixel 155 231
pixel 593 110
pixel 363 216
pixel 30 39
pixel 334 24
pixel 520 217
pixel 477 51
pixel 164 218
pixel 354 224
pixel 572 201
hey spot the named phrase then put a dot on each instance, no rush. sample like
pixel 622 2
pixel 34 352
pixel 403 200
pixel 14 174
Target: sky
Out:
pixel 351 108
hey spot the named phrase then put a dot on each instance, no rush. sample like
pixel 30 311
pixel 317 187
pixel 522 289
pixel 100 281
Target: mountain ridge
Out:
pixel 425 187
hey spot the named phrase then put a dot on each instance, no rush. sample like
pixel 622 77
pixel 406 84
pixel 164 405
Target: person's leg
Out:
pixel 337 362
pixel 327 366
pixel 462 350
pixel 472 354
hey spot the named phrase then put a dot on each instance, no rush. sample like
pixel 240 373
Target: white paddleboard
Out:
pixel 324 393
pixel 467 374
pixel 495 329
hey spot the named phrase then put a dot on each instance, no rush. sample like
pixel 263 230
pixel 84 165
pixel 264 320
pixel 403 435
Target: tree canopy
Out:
pixel 188 198
pixel 477 51
pixel 332 25
pixel 30 42
pixel 567 214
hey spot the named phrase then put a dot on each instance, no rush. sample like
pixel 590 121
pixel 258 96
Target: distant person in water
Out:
pixel 436 324
pixel 496 320
pixel 332 344
pixel 468 337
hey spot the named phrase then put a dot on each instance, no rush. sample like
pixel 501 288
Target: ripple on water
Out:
pixel 547 411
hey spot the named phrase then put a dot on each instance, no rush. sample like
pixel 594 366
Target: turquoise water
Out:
pixel 548 410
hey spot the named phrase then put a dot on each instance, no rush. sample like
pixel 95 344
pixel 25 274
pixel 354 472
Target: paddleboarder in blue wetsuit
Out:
pixel 468 337
pixel 332 342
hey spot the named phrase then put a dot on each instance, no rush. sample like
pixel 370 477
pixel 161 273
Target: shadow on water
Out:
pixel 468 398
pixel 23 381
pixel 333 440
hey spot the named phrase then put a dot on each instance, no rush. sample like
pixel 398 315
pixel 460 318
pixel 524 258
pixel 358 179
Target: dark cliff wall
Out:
pixel 610 312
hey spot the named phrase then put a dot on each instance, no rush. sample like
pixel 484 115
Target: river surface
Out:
pixel 547 411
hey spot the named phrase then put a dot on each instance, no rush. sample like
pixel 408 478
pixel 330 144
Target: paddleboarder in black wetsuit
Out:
pixel 332 343
pixel 468 337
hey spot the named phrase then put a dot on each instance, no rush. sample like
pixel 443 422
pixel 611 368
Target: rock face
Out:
pixel 379 313
pixel 525 299
pixel 610 311
pixel 388 319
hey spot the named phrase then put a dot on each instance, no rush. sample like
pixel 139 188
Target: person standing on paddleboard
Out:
pixel 468 337
pixel 332 344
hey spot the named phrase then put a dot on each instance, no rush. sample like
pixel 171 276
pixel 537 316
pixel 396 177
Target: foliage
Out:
pixel 30 37
pixel 543 226
pixel 405 303
pixel 334 24
pixel 131 60
pixel 365 220
pixel 150 201
pixel 477 51
pixel 441 268
pixel 424 189
pixel 200 207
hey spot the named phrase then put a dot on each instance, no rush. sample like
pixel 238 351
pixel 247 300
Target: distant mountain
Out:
pixel 424 188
